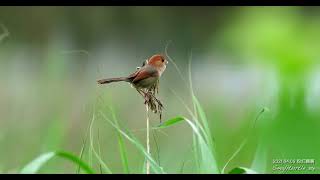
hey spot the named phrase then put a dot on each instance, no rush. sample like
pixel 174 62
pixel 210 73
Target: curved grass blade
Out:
pixel 203 151
pixel 174 64
pixel 260 160
pixel 123 154
pixel 256 163
pixel 155 167
pixel 143 168
pixel 121 143
pixel 208 163
pixel 102 163
pixel 122 146
pixel 203 141
pixel 234 155
pixel 242 170
pixel 81 154
pixel 195 151
pixel 83 149
pixel 35 165
pixel 171 122
pixel 203 118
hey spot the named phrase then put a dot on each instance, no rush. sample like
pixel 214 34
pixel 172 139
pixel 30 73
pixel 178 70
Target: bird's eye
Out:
pixel 162 60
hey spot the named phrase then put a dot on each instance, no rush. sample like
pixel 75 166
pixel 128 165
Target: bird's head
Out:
pixel 158 61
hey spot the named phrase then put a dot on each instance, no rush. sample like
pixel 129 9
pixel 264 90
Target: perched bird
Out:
pixel 145 77
pixel 146 81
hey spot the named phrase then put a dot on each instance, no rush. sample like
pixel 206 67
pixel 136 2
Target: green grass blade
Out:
pixel 174 64
pixel 171 122
pixel 154 166
pixel 208 163
pixel 204 156
pixel 83 149
pixel 143 168
pixel 234 155
pixel 99 151
pixel 242 170
pixel 203 118
pixel 81 154
pixel 123 154
pixel 191 86
pixel 205 159
pixel 103 164
pixel 204 129
pixel 205 143
pixel 203 152
pixel 122 147
pixel 76 160
pixel 192 114
pixel 260 160
pixel 157 147
pixel 35 165
pixel 256 164
pixel 201 113
pixel 195 151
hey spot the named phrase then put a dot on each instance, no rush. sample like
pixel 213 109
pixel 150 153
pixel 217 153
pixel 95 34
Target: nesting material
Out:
pixel 150 99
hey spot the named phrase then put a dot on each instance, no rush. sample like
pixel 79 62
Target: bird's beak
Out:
pixel 167 62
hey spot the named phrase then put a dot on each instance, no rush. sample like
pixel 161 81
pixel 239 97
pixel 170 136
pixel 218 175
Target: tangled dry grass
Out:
pixel 150 99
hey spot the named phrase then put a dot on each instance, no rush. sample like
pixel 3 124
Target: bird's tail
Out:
pixel 110 80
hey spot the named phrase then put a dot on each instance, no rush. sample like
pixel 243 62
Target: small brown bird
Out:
pixel 144 77
pixel 146 81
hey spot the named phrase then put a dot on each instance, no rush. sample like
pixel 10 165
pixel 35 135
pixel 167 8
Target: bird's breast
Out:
pixel 146 83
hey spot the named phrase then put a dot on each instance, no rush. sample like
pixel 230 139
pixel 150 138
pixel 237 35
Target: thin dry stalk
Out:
pixel 148 141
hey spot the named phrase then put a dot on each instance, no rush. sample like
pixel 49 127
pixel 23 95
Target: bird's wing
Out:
pixel 144 73
pixel 133 75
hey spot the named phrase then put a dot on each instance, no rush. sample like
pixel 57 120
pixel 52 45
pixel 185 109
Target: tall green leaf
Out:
pixel 154 165
pixel 203 152
pixel 35 165
pixel 171 122
pixel 122 147
pixel 260 160
pixel 92 149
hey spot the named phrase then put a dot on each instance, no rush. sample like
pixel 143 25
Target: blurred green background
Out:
pixel 243 59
